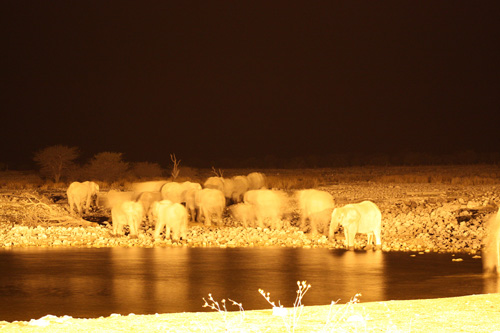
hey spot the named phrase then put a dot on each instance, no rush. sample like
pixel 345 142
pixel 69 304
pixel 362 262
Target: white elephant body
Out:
pixel 316 207
pixel 127 213
pixel 210 202
pixel 115 198
pixel 82 195
pixel 268 206
pixel 256 181
pixel 362 218
pixel 228 188
pixel 150 186
pixel 192 208
pixel 187 186
pixel 240 186
pixel 173 217
pixel 172 191
pixel 146 199
pixel 214 183
pixel 244 213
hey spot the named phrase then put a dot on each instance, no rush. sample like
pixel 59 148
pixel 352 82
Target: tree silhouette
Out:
pixel 107 166
pixel 55 160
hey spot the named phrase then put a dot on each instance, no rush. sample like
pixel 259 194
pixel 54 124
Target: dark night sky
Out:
pixel 215 79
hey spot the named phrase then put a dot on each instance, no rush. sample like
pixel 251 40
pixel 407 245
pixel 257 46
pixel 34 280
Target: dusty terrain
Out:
pixel 417 216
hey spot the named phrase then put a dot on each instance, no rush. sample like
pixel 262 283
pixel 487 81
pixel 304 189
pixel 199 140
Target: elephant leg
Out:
pixel 133 228
pixel 208 218
pixel 167 232
pixel 302 223
pixel 369 242
pixel 119 229
pixel 219 219
pixel 346 237
pixel 71 205
pixel 176 233
pixel 314 227
pixel 158 229
pixel 349 238
pixel 378 240
pixel 87 203
pixel 183 232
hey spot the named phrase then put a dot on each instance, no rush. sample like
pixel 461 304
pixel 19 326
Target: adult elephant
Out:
pixel 267 205
pixel 82 195
pixel 176 192
pixel 256 181
pixel 127 213
pixel 210 202
pixel 172 191
pixel 316 207
pixel 149 186
pixel 146 199
pixel 362 218
pixel 244 213
pixel 240 186
pixel 172 217
pixel 214 183
pixel 115 198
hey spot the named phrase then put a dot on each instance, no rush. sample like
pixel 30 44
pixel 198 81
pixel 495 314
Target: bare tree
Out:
pixel 218 173
pixel 175 169
pixel 55 160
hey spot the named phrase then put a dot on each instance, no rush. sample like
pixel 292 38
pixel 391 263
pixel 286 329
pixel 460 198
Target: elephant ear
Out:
pixel 351 215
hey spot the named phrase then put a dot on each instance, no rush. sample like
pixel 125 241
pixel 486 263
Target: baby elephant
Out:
pixel 363 218
pixel 127 213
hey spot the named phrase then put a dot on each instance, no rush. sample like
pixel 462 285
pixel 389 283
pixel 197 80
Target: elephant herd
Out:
pixel 171 205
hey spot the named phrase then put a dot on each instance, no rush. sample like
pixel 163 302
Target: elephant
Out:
pixel 256 181
pixel 210 202
pixel 176 192
pixel 173 217
pixel 172 191
pixel 187 186
pixel 491 252
pixel 363 218
pixel 244 213
pixel 116 198
pixel 150 186
pixel 268 206
pixel 192 208
pixel 127 213
pixel 147 199
pixel 228 189
pixel 80 194
pixel 315 206
pixel 215 183
pixel 240 186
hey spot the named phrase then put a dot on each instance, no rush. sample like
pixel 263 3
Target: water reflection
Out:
pixel 98 282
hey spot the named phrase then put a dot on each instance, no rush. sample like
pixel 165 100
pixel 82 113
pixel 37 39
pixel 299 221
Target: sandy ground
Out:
pixel 476 313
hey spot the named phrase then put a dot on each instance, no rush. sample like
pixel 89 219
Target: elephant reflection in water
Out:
pixel 363 218
pixel 491 253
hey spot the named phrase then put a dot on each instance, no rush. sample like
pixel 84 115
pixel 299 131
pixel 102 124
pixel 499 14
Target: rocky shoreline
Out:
pixel 416 217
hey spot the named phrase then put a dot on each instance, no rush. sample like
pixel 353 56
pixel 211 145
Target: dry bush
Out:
pixel 29 208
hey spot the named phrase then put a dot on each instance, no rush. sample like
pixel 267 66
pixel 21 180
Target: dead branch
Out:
pixel 218 173
pixel 175 169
